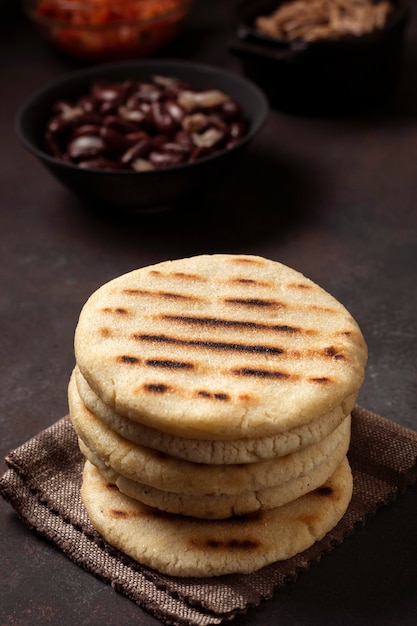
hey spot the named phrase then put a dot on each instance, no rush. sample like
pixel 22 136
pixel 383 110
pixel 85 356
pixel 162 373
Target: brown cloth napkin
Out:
pixel 43 483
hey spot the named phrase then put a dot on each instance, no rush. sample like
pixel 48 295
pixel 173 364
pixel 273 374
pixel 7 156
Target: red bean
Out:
pixel 88 104
pixel 120 125
pixel 158 141
pixel 174 110
pixel 237 129
pixel 200 152
pixel 176 148
pixel 86 146
pixel 58 125
pixel 139 150
pixel 115 142
pixel 162 120
pixel 141 124
pixel 230 110
pixel 87 129
pixel 184 139
pixel 165 159
pixel 87 118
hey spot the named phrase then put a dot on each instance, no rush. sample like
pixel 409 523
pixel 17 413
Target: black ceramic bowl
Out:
pixel 144 191
pixel 329 76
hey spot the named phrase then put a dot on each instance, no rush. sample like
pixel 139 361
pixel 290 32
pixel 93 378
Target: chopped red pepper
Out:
pixel 107 29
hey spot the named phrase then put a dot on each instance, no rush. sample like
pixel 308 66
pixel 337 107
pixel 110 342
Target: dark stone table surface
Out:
pixel 335 198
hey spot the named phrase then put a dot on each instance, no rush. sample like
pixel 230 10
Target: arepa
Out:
pixel 220 506
pixel 161 471
pixel 246 450
pixel 186 546
pixel 219 347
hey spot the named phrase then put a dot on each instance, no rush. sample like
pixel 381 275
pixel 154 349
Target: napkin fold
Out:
pixel 43 482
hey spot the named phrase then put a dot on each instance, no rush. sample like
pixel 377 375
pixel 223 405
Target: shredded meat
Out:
pixel 311 20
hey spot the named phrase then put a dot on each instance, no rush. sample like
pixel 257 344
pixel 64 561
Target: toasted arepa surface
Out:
pixel 224 506
pixel 219 347
pixel 167 473
pixel 186 546
pixel 230 451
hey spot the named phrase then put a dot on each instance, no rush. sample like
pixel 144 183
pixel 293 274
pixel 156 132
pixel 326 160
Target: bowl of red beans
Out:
pixel 108 30
pixel 144 135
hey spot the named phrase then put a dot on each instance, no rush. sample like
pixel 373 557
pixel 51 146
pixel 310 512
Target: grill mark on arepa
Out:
pixel 117 513
pixel 207 344
pixel 299 286
pixel 263 373
pixel 126 358
pixel 157 387
pixel 229 323
pixel 323 309
pixel 345 333
pixel 255 302
pixel 168 364
pixel 334 353
pixel 321 380
pixel 200 394
pixel 215 395
pixel 117 310
pixel 168 295
pixel 123 514
pixel 162 363
pixel 245 261
pixel 178 275
pixel 250 282
pixel 165 362
pixel 202 321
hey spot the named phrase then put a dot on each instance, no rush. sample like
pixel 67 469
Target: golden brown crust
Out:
pixel 161 471
pixel 185 546
pixel 247 450
pixel 219 347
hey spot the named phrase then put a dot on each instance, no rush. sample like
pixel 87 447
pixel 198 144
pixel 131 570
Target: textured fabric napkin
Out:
pixel 43 483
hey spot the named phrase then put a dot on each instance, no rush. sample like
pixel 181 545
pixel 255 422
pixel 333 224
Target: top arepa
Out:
pixel 219 347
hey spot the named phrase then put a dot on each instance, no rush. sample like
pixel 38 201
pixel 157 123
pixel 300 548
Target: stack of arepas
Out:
pixel 212 398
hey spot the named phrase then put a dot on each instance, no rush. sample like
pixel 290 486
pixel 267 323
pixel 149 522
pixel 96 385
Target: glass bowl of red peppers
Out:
pixel 108 30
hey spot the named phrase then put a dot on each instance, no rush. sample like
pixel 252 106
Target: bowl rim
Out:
pixel 93 72
pixel 29 8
